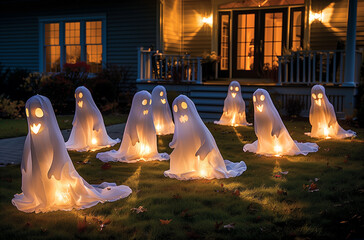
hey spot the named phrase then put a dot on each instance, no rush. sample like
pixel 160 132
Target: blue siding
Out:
pixel 129 25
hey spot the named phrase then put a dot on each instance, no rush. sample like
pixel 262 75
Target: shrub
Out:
pixel 10 109
pixel 77 73
pixel 60 91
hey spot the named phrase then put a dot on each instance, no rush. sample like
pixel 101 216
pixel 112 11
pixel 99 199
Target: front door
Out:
pixel 258 37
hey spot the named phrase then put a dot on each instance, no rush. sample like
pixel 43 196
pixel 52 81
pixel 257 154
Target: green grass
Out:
pixel 18 127
pixel 266 208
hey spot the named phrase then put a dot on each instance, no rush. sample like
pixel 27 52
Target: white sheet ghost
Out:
pixel 234 107
pixel 49 179
pixel 323 117
pixel 273 137
pixel 88 131
pixel 162 116
pixel 195 153
pixel 140 140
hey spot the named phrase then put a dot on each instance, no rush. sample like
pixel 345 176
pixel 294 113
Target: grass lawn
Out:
pixel 18 127
pixel 262 203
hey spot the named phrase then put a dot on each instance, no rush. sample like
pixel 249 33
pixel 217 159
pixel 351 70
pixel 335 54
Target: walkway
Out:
pixel 11 149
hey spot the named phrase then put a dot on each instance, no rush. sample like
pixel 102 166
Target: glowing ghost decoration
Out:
pixel 195 153
pixel 273 137
pixel 234 107
pixel 162 116
pixel 88 131
pixel 323 117
pixel 140 140
pixel 49 179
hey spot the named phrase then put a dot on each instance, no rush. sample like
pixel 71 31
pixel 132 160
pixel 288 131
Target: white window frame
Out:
pixel 62 20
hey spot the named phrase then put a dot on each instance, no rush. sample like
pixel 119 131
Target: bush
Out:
pixel 10 109
pixel 60 91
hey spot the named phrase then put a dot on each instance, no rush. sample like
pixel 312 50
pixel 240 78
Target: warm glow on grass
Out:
pixel 94 141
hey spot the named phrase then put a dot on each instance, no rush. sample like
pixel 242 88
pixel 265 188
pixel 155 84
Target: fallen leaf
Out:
pixel 106 166
pixel 343 222
pixel 312 187
pixel 222 185
pixel 218 225
pixel 185 213
pixel 236 192
pixel 138 210
pixel 277 176
pixel 107 221
pixel 165 222
pixel 82 225
pixel 230 226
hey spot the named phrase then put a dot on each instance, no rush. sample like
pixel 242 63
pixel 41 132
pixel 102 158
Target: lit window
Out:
pixel 273 33
pixel 94 45
pixel 52 48
pixel 72 42
pixel 296 36
pixel 224 42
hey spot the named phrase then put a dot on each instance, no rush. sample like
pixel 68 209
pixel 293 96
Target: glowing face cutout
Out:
pixel 236 89
pixel 27 112
pixel 318 100
pixel 261 106
pixel 233 95
pixel 184 105
pixel 163 100
pixel 80 94
pixel 80 104
pixel 161 93
pixel 175 108
pixel 150 102
pixel 314 96
pixel 145 112
pixel 38 112
pixel 231 88
pixel 183 118
pixel 144 102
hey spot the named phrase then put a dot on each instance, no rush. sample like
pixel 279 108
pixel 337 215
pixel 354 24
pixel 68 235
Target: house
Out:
pixel 285 46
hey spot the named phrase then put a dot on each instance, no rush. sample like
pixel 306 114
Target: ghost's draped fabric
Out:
pixel 323 117
pixel 195 153
pixel 234 107
pixel 273 137
pixel 139 140
pixel 162 116
pixel 49 179
pixel 88 131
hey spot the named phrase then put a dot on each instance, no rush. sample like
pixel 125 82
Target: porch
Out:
pixel 290 87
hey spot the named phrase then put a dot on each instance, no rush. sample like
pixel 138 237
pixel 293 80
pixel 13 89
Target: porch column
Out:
pixel 350 44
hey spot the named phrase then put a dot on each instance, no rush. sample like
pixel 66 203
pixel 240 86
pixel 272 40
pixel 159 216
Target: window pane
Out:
pixel 93 32
pixel 277 49
pixel 268 34
pixel 94 57
pixel 250 20
pixel 268 48
pixel 278 34
pixel 297 18
pixel 269 19
pixel 278 19
pixel 72 33
pixel 73 54
pixel 53 59
pixel 51 33
pixel 225 24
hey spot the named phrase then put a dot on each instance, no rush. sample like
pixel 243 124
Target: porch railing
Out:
pixel 157 66
pixel 312 67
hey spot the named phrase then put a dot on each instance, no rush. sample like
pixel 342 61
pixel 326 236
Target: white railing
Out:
pixel 156 66
pixel 314 67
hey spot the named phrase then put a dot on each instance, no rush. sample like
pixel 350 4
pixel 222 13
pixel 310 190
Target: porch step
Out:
pixel 209 99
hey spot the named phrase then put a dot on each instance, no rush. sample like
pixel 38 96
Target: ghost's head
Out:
pixel 318 95
pixel 37 111
pixel 82 96
pixel 234 89
pixel 260 100
pixel 184 110
pixel 159 95
pixel 142 102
